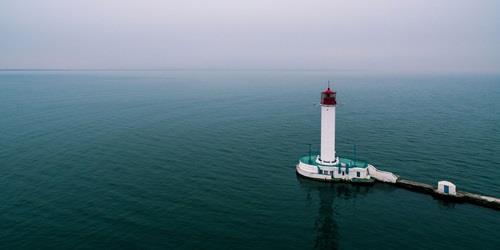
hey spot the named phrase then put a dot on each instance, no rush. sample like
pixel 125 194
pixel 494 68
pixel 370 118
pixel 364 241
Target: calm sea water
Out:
pixel 205 160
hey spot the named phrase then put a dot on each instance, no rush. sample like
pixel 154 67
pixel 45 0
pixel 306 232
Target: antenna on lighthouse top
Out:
pixel 328 83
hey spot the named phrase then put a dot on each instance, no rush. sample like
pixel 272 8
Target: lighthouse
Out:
pixel 328 104
pixel 327 165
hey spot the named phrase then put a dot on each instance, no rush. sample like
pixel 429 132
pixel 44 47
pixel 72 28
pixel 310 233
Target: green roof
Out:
pixel 346 161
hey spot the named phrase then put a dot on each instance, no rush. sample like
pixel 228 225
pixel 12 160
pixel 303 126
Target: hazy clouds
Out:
pixel 360 35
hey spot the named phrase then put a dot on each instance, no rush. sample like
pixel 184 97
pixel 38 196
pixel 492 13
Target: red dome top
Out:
pixel 328 91
pixel 329 97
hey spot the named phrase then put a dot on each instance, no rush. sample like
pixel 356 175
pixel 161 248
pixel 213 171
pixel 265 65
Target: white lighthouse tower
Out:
pixel 328 166
pixel 328 103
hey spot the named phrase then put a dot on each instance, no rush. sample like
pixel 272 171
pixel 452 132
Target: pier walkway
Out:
pixel 446 194
pixel 477 199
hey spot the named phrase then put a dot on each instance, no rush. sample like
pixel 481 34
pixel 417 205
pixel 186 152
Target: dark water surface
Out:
pixel 205 160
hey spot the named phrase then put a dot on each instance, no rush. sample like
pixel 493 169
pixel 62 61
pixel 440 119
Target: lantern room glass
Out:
pixel 328 98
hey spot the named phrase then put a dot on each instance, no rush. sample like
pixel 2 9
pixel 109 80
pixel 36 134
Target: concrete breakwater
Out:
pixel 445 190
pixel 459 196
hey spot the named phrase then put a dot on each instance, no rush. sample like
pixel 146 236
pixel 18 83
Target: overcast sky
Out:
pixel 455 35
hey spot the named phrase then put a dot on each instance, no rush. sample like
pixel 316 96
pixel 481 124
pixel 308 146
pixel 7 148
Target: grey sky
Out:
pixel 398 35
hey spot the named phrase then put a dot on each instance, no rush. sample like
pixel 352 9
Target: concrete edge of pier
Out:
pixel 458 196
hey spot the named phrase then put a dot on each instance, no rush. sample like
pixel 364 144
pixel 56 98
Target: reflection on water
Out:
pixel 326 228
pixel 327 233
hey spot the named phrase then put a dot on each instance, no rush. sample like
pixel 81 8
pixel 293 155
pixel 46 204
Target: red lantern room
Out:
pixel 329 97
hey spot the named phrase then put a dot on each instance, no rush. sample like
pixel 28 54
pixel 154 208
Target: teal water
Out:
pixel 205 160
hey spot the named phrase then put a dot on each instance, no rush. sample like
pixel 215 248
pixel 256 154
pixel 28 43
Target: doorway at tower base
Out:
pixel 346 170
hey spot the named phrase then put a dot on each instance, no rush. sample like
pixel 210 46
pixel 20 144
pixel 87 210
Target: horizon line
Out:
pixel 383 71
pixel 172 69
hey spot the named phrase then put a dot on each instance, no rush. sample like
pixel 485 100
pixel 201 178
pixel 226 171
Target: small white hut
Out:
pixel 446 187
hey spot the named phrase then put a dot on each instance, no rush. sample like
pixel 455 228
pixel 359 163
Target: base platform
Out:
pixel 346 170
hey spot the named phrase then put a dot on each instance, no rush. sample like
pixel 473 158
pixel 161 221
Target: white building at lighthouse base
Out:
pixel 344 170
